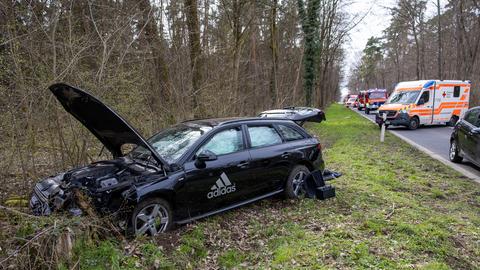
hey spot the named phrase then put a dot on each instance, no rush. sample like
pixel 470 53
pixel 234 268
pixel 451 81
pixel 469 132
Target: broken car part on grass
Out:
pixel 191 170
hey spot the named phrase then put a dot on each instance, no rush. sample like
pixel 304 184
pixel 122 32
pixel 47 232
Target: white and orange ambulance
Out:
pixel 427 102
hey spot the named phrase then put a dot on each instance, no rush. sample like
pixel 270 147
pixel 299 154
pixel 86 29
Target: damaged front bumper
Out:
pixel 47 196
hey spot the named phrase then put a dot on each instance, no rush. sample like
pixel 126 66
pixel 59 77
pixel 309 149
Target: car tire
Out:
pixel 294 188
pixel 453 121
pixel 414 123
pixel 151 217
pixel 453 153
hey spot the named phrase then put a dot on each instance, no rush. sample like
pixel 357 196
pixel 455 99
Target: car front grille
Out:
pixel 389 113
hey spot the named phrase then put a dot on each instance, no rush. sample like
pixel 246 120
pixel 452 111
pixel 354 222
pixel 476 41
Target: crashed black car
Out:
pixel 189 171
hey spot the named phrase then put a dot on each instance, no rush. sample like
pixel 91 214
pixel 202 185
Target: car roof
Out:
pixel 213 122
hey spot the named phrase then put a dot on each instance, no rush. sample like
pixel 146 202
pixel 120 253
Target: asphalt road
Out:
pixel 433 140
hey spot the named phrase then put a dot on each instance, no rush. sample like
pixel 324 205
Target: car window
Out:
pixel 456 91
pixel 425 96
pixel 289 133
pixel 472 117
pixel 224 142
pixel 263 136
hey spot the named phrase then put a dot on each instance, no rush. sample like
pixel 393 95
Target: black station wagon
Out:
pixel 189 171
pixel 465 138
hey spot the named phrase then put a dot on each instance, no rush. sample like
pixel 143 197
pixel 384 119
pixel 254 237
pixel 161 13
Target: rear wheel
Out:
pixel 414 123
pixel 295 187
pixel 151 217
pixel 454 152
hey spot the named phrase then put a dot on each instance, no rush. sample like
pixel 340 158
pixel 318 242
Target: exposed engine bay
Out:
pixel 105 182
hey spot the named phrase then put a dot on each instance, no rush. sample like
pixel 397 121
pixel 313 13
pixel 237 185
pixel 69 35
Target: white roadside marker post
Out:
pixel 382 132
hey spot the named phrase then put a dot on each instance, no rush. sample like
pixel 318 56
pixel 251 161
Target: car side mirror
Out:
pixel 421 102
pixel 204 156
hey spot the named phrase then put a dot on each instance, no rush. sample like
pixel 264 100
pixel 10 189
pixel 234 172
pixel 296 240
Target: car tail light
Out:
pixel 319 147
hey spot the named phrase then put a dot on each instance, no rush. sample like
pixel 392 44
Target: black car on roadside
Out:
pixel 189 171
pixel 465 138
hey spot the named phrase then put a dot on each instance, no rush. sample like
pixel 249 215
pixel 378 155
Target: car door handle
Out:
pixel 285 155
pixel 243 164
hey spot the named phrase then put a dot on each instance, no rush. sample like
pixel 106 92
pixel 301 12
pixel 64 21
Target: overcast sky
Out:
pixel 377 18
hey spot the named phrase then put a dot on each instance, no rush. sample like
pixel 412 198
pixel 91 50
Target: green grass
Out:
pixel 395 208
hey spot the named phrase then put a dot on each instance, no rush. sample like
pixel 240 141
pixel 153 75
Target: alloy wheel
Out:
pixel 453 150
pixel 152 219
pixel 297 183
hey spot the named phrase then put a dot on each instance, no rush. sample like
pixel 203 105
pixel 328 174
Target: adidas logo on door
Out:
pixel 222 186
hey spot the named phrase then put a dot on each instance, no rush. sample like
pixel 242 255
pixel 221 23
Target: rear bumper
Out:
pixel 401 119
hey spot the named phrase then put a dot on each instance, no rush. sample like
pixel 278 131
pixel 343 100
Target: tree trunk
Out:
pixel 274 50
pixel 195 53
pixel 161 92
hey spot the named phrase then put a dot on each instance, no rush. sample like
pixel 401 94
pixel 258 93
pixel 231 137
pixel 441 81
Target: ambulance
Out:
pixel 426 102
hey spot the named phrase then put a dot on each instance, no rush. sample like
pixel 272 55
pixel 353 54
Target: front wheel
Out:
pixel 454 152
pixel 151 217
pixel 295 187
pixel 414 123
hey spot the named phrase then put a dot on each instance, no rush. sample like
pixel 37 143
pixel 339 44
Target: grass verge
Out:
pixel 396 208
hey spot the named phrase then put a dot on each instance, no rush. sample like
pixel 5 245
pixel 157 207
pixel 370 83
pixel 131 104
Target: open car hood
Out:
pixel 299 115
pixel 109 127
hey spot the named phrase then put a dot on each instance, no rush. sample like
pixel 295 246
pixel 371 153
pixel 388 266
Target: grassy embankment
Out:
pixel 395 208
